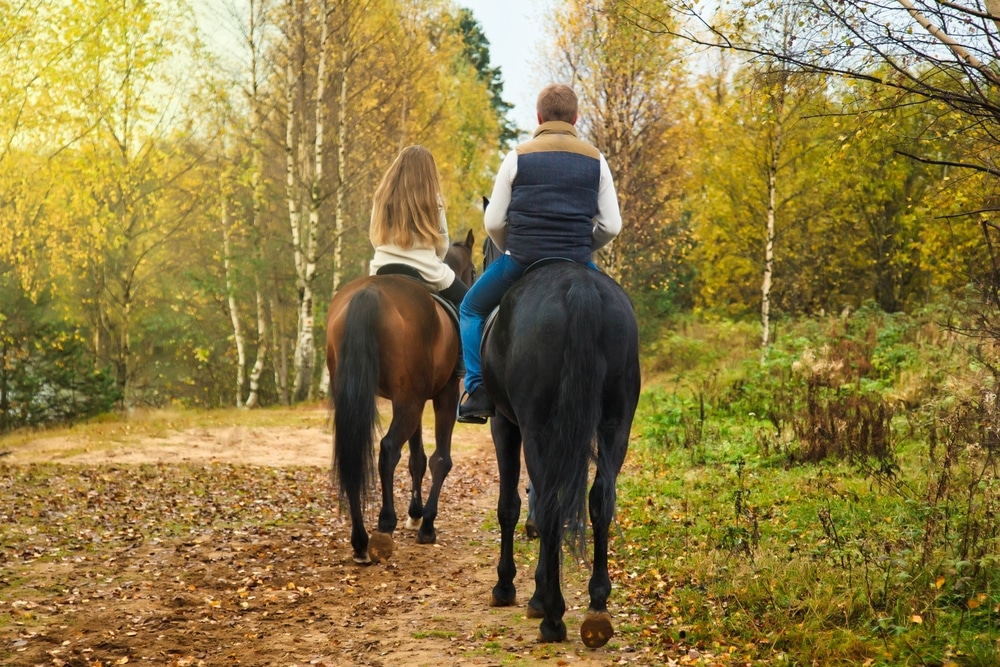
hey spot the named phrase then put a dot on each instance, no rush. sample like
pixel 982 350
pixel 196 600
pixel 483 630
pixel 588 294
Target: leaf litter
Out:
pixel 224 562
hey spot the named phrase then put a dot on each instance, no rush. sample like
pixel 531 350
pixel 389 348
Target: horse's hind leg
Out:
pixel 596 628
pixel 507 441
pixel 405 420
pixel 548 602
pixel 445 408
pixel 418 468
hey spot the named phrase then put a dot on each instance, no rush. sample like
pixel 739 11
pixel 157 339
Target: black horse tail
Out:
pixel 571 431
pixel 355 414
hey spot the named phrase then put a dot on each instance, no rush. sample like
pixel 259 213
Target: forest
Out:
pixel 809 196
pixel 176 217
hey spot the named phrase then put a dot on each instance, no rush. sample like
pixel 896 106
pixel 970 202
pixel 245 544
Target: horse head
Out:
pixel 459 258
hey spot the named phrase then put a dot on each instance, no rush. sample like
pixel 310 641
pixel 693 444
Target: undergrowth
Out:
pixel 834 504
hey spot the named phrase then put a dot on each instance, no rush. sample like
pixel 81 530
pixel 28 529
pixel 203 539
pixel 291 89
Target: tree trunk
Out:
pixel 293 82
pixel 765 289
pixel 305 228
pixel 234 311
pixel 777 101
pixel 339 218
pixel 257 14
pixel 4 391
pixel 124 354
pixel 280 355
pixel 253 398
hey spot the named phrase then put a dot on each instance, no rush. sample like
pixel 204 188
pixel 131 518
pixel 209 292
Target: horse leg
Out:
pixel 547 602
pixel 405 420
pixel 507 442
pixel 418 467
pixel 596 628
pixel 359 536
pixel 445 409
pixel 548 595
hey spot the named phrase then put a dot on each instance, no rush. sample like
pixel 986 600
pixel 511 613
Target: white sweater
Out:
pixel 429 262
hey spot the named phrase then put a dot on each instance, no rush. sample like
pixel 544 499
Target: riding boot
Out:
pixel 476 407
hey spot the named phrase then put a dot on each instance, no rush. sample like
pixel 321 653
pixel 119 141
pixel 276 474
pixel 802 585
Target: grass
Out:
pixel 436 634
pixel 761 557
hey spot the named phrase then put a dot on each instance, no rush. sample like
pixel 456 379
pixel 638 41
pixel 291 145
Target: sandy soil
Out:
pixel 287 595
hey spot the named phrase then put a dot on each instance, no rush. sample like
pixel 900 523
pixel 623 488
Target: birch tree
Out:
pixel 783 97
pixel 253 24
pixel 239 340
pixel 371 78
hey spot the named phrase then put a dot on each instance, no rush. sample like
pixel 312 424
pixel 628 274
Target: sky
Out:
pixel 514 30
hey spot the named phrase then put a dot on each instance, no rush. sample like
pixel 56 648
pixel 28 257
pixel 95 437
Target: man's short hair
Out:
pixel 557 101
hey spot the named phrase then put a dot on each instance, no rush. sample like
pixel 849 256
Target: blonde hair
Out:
pixel 406 208
pixel 557 101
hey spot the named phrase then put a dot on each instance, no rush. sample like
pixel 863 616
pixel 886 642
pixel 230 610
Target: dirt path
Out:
pixel 234 593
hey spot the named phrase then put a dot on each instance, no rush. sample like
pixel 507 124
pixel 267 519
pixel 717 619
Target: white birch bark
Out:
pixel 765 289
pixel 234 309
pixel 253 397
pixel 776 100
pixel 258 17
pixel 306 260
pixel 293 178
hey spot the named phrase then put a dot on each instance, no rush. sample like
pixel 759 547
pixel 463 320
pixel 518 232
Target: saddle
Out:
pixel 491 319
pixel 409 272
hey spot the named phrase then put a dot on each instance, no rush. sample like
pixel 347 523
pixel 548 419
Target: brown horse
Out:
pixel 387 336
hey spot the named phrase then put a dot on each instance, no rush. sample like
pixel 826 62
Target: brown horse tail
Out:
pixel 355 415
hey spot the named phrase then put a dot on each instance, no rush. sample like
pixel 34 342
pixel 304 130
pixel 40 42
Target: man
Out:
pixel 553 197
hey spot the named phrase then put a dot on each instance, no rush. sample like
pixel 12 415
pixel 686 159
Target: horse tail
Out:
pixel 571 431
pixel 355 414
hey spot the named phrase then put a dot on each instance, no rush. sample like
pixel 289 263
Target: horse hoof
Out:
pixel 380 547
pixel 534 611
pixel 498 600
pixel 426 538
pixel 548 634
pixel 362 559
pixel 413 524
pixel 530 530
pixel 596 629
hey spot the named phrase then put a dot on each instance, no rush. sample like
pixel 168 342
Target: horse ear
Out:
pixel 470 240
pixel 486 202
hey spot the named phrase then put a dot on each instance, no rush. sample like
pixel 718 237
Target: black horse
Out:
pixel 562 366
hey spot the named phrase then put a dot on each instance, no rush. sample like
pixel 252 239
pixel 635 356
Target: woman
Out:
pixel 408 225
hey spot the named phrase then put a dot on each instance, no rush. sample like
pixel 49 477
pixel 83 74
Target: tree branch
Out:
pixel 948 163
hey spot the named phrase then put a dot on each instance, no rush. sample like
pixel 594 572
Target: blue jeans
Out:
pixel 485 295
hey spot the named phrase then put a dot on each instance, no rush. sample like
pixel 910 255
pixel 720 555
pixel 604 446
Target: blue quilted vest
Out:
pixel 554 196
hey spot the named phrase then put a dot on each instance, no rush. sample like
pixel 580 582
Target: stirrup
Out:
pixel 475 417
